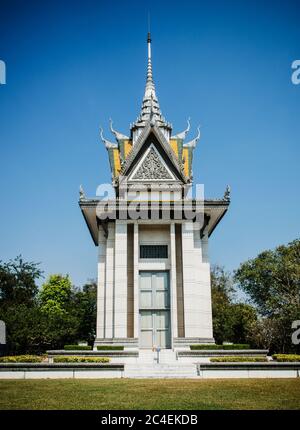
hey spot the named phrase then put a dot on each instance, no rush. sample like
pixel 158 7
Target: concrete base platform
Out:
pixel 160 371
pixel 149 370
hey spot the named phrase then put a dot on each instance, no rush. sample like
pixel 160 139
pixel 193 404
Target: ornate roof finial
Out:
pixel 227 194
pixel 115 132
pixel 150 89
pixel 106 142
pixel 81 193
pixel 193 143
pixel 183 134
pixel 150 107
pixel 149 70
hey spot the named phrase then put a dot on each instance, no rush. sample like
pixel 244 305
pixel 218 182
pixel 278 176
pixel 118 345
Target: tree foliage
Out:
pixel 37 320
pixel 272 281
pixel 231 320
pixel 18 281
pixel 86 304
pixel 56 295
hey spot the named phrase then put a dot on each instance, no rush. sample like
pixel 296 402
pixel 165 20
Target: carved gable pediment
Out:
pixel 152 167
pixel 153 159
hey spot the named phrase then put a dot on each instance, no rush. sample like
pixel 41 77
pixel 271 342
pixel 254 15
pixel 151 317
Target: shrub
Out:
pixel 74 359
pixel 110 348
pixel 238 359
pixel 22 359
pixel 224 347
pixel 77 348
pixel 286 357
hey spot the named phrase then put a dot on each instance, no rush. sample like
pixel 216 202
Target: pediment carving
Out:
pixel 152 168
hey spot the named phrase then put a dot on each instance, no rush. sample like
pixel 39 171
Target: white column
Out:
pixel 205 288
pixel 196 285
pixel 120 296
pixel 191 308
pixel 109 281
pixel 173 284
pixel 136 279
pixel 101 284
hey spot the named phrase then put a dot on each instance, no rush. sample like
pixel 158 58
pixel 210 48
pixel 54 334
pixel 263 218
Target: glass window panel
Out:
pixel 161 299
pixel 161 281
pixel 162 320
pixel 146 320
pixel 153 251
pixel 145 280
pixel 146 299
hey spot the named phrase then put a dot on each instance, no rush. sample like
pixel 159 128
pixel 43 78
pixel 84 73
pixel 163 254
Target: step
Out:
pixel 165 356
pixel 160 371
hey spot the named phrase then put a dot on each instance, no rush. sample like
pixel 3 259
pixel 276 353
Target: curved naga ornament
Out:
pixel 183 134
pixel 193 143
pixel 118 135
pixel 106 142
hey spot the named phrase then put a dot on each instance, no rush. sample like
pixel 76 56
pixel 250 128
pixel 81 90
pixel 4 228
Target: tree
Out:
pixel 221 287
pixel 56 301
pixel 55 295
pixel 242 318
pixel 26 328
pixel 263 333
pixel 18 281
pixel 18 305
pixel 272 281
pixel 231 321
pixel 39 320
pixel 86 304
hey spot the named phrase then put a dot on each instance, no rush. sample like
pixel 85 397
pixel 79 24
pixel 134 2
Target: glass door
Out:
pixel 155 329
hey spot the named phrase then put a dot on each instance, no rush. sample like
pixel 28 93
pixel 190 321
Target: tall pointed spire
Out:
pixel 150 106
pixel 150 88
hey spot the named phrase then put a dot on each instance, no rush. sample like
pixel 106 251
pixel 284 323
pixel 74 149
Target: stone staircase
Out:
pixel 168 366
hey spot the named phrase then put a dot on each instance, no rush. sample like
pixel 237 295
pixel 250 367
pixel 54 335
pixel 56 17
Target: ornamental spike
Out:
pixel 183 134
pixel 193 143
pixel 117 134
pixel 106 142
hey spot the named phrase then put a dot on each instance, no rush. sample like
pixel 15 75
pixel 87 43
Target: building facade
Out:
pixel 152 235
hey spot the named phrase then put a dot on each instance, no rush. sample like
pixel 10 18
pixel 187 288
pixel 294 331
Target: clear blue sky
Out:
pixel 71 65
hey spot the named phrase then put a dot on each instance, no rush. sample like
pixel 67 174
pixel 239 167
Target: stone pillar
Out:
pixel 136 279
pixel 173 283
pixel 120 295
pixel 191 304
pixel 109 282
pixel 100 331
pixel 203 285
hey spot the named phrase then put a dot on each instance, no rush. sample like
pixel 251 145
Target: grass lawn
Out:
pixel 150 394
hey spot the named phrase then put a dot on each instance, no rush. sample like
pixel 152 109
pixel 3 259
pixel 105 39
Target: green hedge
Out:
pixel 238 359
pixel 224 347
pixel 286 357
pixel 110 348
pixel 77 348
pixel 63 359
pixel 22 359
